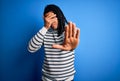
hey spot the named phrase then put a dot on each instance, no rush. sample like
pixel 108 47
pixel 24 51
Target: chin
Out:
pixel 54 28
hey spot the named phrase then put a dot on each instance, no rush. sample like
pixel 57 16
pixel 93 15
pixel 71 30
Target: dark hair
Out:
pixel 61 18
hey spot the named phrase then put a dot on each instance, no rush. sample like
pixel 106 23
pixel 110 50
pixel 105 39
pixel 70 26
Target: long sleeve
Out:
pixel 36 42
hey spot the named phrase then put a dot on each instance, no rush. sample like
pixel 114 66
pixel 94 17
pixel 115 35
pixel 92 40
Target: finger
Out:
pixel 70 29
pixel 57 46
pixel 51 18
pixel 78 33
pixel 73 29
pixel 50 15
pixel 66 31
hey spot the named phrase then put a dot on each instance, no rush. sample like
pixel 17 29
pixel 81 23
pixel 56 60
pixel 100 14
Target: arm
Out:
pixel 36 42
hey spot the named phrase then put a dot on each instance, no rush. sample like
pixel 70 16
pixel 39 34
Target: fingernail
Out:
pixel 66 25
pixel 70 21
pixel 74 23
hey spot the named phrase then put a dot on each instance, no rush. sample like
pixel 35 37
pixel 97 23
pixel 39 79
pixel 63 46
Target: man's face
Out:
pixel 54 20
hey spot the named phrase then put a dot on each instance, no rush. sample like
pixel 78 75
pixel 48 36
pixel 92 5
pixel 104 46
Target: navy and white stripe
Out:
pixel 58 64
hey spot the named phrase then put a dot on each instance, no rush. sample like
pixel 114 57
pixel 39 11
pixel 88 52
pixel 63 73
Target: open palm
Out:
pixel 71 38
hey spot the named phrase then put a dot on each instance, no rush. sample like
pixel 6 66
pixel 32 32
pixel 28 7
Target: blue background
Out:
pixel 97 57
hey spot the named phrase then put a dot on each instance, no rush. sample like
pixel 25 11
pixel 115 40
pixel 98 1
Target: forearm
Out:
pixel 36 42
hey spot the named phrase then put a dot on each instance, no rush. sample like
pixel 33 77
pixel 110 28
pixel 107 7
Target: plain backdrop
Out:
pixel 97 57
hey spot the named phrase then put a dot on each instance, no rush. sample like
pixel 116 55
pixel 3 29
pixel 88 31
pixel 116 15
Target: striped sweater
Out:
pixel 58 64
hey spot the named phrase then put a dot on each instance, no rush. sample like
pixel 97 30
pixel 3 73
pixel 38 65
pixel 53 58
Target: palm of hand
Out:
pixel 71 38
pixel 70 43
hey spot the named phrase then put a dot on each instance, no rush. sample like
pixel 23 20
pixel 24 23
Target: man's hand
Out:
pixel 71 38
pixel 49 19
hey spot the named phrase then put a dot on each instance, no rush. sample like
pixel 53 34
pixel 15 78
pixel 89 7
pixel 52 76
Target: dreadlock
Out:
pixel 61 18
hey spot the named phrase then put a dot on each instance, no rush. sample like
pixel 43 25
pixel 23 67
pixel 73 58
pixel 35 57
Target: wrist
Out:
pixel 43 30
pixel 46 27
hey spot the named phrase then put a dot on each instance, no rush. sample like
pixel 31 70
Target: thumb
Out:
pixel 57 46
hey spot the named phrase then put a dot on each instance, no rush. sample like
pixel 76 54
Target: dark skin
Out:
pixel 72 33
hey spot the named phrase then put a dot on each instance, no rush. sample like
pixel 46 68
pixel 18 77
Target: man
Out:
pixel 59 43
